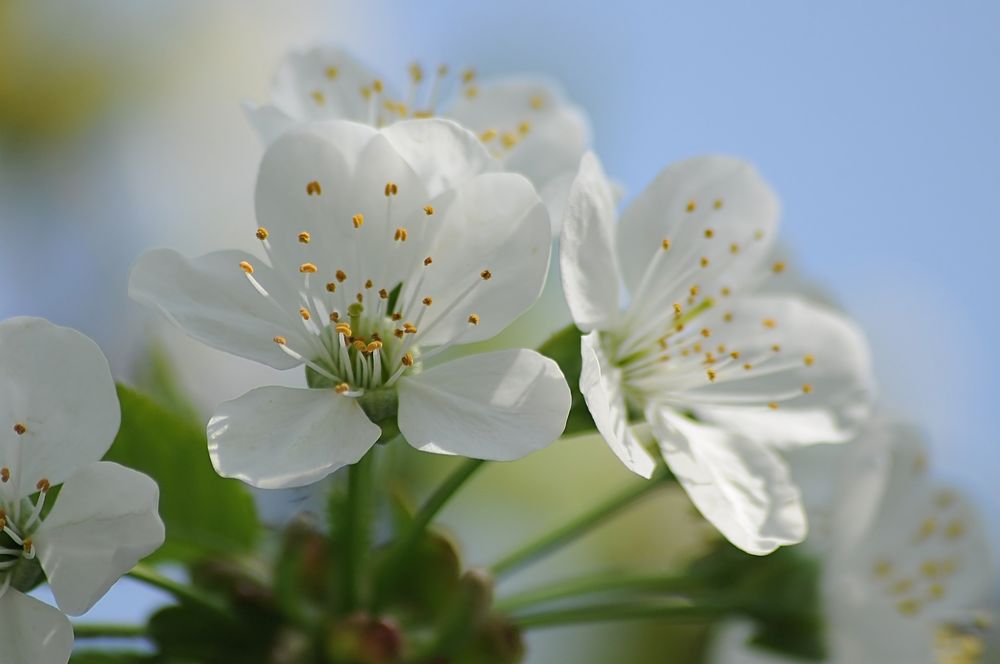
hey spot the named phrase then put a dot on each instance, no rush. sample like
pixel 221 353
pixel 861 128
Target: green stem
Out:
pixel 615 612
pixel 645 584
pixel 578 526
pixel 108 631
pixel 409 540
pixel 181 592
pixel 357 526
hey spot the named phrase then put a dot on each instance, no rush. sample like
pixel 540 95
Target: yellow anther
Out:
pixel 717 204
pixel 508 140
pixel 704 261
pixel 377 86
pixel 442 70
pixel 341 276
pixel 416 72
pixel 488 135
pixel 930 569
pixel 909 607
pixel 807 389
pixel 758 235
pixel 319 97
pixel 262 233
pixel 246 266
pixel 369 283
pixel 366 93
pixel 4 474
pixel 341 388
pixel 27 545
pixel 709 233
pixel 43 485
pixel 428 301
pixel 691 206
pixel 359 345
pixel 331 287
pixel 20 429
pixel 775 348
pixel 373 346
pixel 473 319
pixel 666 244
pixel 769 323
pixel 734 248
pixel 308 268
pixel 383 293
pixel 725 291
pixel 936 591
pixel 955 529
pixel 883 569
pixel 468 75
pixel 335 316
pixel 360 297
pixel 747 366
pixel 537 102
pixel 778 267
pixel 428 261
pixel 711 375
pixel 664 344
pixel 313 188
pixel 706 332
pixel 398 333
pixel 332 73
pixel 486 275
pixel 471 92
pixel 400 235
pixel 396 316
pixel 773 405
pixel 305 238
pixel 735 355
pixel 523 128
pixel 694 290
pixel 391 189
pixel 304 313
pixel 428 210
pixel 358 220
pixel 665 358
pixel 728 317
pixel 809 360
pixel 927 528
pixel 408 360
pixel 344 329
pixel 409 328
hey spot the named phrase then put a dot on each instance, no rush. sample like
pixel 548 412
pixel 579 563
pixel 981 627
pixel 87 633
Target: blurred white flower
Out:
pixel 906 563
pixel 756 371
pixel 381 244
pixel 525 122
pixel 60 415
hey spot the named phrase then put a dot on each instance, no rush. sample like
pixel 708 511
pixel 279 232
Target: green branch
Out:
pixel 181 592
pixel 617 612
pixel 590 585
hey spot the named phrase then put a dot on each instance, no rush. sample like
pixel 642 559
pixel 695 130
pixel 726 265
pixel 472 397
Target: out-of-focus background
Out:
pixel 877 123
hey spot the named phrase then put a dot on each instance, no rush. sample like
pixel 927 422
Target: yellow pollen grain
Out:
pixel 666 244
pixel 27 545
pixel 408 360
pixel 281 341
pixel 508 140
pixel 360 297
pixel 359 345
pixel 709 233
pixel 776 348
pixel 758 235
pixel 717 204
pixel 523 128
pixel 488 135
pixel 396 316
pixel 807 389
pixel 332 73
pixel 20 429
pixel 307 268
pixel 909 607
pixel 706 332
pixel 955 529
pixel 725 291
pixel 694 290
pixel 400 235
pixel 691 206
pixel 262 234
pixel 936 591
pixel 416 72
pixel 246 267
pixel 728 317
pixel 358 220
pixel 735 355
pixel 377 86
pixel 471 92
pixel 319 97
pixel 883 569
pixel 383 293
pixel 809 360
pixel 773 405
pixel 747 366
pixel 486 275
pixel 711 375
pixel 43 485
pixel 305 237
pixel 704 261
pixel 369 283
pixel 778 267
pixel 335 316
pixel 331 287
pixel 428 261
pixel 734 248
pixel 341 276
pixel 391 189
pixel 428 301
pixel 769 323
pixel 927 528
pixel 313 188
pixel 473 319
pixel 428 210
pixel 697 347
pixel 304 313
pixel 344 329
pixel 468 75
pixel 677 309
pixel 398 333
pixel 5 477
pixel 373 346
pixel 537 102
pixel 341 388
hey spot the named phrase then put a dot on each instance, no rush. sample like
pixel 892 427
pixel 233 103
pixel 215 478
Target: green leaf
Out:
pixel 564 348
pixel 203 512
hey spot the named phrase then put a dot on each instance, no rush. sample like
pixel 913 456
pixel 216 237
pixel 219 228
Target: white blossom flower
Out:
pixel 722 375
pixel 905 562
pixel 384 248
pixel 59 415
pixel 525 122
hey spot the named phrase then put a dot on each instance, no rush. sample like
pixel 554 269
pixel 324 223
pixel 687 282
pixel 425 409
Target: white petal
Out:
pixel 499 406
pixel 56 383
pixel 731 207
pixel 600 383
pixel 820 377
pixel 440 152
pixel 281 437
pixel 326 82
pixel 104 521
pixel 590 274
pixel 269 121
pixel 557 132
pixel 32 631
pixel 742 487
pixel 210 299
pixel 494 222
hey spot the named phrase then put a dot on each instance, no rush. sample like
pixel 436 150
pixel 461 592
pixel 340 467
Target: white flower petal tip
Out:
pixel 33 631
pixel 276 438
pixel 497 406
pixel 590 274
pixel 743 488
pixel 602 389
pixel 103 523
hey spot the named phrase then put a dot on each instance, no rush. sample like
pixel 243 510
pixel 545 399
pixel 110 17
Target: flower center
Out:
pixel 19 519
